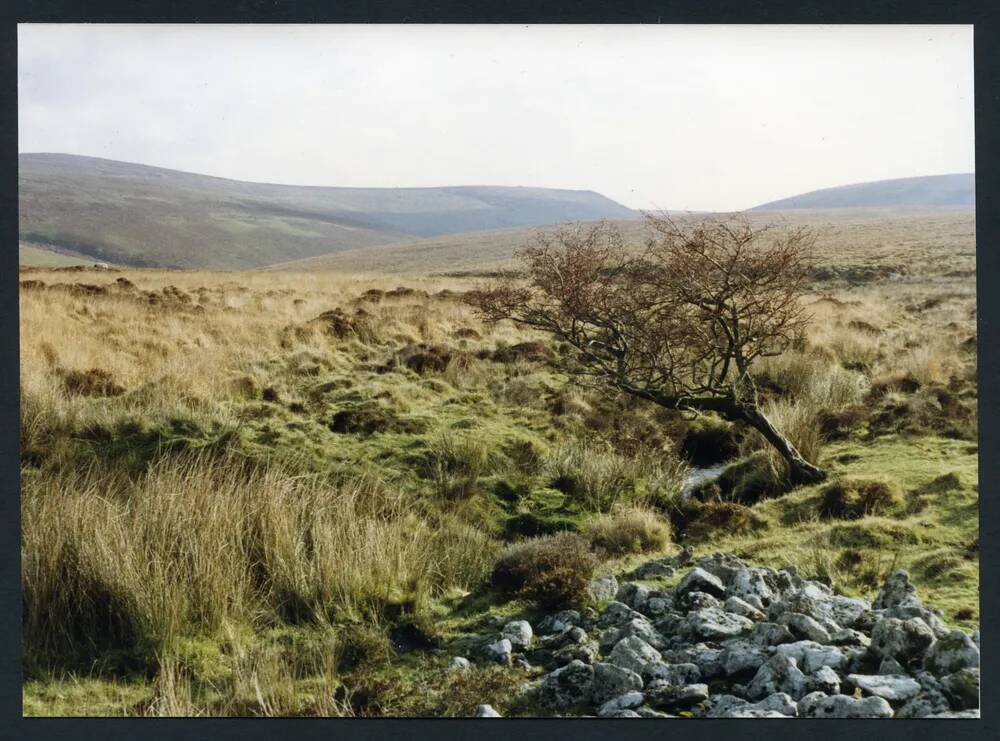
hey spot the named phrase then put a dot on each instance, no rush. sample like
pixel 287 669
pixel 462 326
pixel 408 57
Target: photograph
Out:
pixel 497 371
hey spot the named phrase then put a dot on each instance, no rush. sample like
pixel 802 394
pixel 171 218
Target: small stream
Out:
pixel 698 476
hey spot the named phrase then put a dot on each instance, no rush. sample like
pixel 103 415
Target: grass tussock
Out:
pixel 551 571
pixel 852 498
pixel 629 530
pixel 192 545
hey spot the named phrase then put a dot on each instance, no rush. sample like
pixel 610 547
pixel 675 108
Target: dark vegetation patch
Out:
pixel 697 521
pixel 747 481
pixel 841 424
pixel 92 382
pixel 932 410
pixel 710 441
pixel 368 418
pixel 551 571
pixel 532 352
pixel 852 498
pixel 339 324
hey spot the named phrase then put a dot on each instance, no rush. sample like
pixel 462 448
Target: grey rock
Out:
pixel 498 652
pixel 742 656
pixel 699 580
pixel 896 590
pixel 567 686
pixel 890 666
pixel 810 655
pixel 519 633
pixel 803 626
pixel 624 714
pixel 757 587
pixel 780 702
pixel 672 673
pixel 616 614
pixel 824 680
pixel 585 652
pixel 628 701
pixel 707 659
pixel 818 705
pixel 603 588
pixel 697 601
pixel 849 637
pixel 671 696
pixel 963 687
pixel 975 637
pixel 611 681
pixel 642 628
pixel 459 663
pixel 892 687
pixel 738 606
pixel 928 702
pixel 648 712
pixel 771 634
pixel 658 568
pixel 722 565
pixel 633 653
pixel 487 711
pixel 657 606
pixel 903 640
pixel 954 651
pixel 780 673
pixel 714 624
pixel 632 594
pixel 559 621
pixel 520 662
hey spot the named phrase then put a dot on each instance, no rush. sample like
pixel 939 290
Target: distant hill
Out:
pixel 932 191
pixel 139 215
pixel 845 236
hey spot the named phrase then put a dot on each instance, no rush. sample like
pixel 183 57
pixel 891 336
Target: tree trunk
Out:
pixel 800 470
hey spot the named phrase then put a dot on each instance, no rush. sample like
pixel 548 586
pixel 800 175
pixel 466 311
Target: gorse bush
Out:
pixel 552 571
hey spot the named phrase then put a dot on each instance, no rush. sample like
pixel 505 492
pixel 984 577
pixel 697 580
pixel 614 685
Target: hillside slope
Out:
pixel 932 191
pixel 148 216
pixel 844 237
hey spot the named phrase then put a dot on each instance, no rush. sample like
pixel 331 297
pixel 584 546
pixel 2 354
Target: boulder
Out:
pixel 780 673
pixel 498 652
pixel 963 687
pixel 723 565
pixel 567 686
pixel 658 568
pixel 672 673
pixel 632 594
pixel 824 680
pixel 711 623
pixel 803 626
pixel 633 653
pixel 707 659
pixel 954 651
pixel 559 621
pixel 757 587
pixel 627 701
pixel 459 663
pixel 903 640
pixel 659 694
pixel 818 705
pixel 486 711
pixel 742 656
pixel 770 634
pixel 617 613
pixel 896 590
pixel 810 656
pixel 738 606
pixel 611 681
pixel 519 633
pixel 699 580
pixel 892 687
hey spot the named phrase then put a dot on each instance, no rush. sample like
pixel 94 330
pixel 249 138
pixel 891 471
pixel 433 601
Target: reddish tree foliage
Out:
pixel 678 322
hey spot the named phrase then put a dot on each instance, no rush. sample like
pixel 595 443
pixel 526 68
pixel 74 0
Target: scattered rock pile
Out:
pixel 732 640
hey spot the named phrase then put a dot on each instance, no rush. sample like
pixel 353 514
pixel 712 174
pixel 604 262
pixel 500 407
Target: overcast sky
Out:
pixel 680 117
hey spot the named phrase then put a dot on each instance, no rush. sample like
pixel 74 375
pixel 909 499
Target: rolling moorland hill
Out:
pixel 934 191
pixel 845 240
pixel 144 216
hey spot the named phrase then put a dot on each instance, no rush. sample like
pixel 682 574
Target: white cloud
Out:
pixel 703 117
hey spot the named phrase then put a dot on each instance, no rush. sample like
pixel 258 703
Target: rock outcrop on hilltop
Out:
pixel 732 640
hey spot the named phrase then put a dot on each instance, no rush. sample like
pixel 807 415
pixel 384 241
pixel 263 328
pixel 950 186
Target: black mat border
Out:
pixel 985 16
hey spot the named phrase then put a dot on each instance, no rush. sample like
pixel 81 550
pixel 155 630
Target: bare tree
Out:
pixel 678 322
